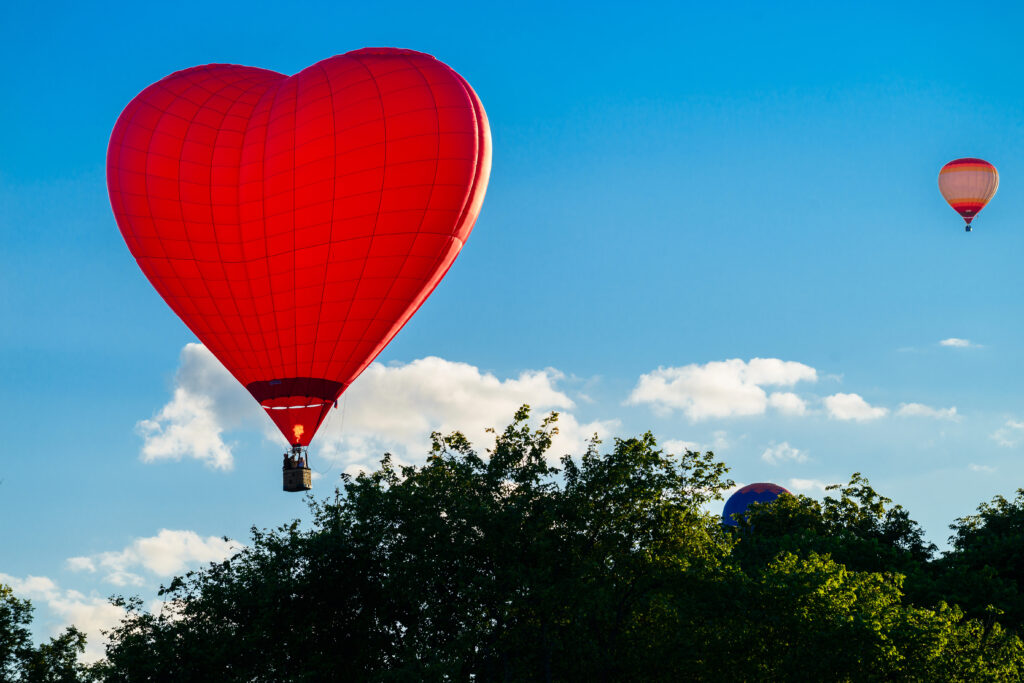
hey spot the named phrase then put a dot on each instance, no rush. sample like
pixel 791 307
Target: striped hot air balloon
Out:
pixel 968 185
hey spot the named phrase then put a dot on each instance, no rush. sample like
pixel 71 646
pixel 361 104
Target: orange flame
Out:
pixel 298 430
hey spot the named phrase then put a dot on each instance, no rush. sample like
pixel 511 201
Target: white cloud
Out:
pixel 168 553
pixel 921 410
pixel 852 407
pixel 91 614
pixel 123 578
pixel 1010 434
pixel 395 408
pixel 958 343
pixel 187 426
pixel 720 388
pixel 35 587
pixel 81 564
pixel 678 447
pixel 783 452
pixel 987 469
pixel 207 401
pixel 807 485
pixel 788 403
pixel 389 408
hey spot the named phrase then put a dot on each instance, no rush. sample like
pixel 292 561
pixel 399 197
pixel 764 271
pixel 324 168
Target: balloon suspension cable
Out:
pixel 341 428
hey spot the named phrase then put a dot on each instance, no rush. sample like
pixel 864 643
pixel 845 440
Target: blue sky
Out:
pixel 673 185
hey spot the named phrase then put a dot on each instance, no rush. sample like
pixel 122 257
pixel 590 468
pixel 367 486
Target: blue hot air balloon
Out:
pixel 751 493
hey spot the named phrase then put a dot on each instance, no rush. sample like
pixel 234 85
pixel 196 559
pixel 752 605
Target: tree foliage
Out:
pixel 985 568
pixel 853 524
pixel 498 568
pixel 55 661
pixel 609 567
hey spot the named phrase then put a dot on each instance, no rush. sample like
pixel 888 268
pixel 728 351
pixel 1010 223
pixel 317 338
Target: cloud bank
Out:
pixel 723 388
pixel 1010 434
pixel 396 407
pixel 808 486
pixel 168 553
pixel 91 614
pixel 783 452
pixel 207 401
pixel 848 407
pixel 958 343
pixel 921 410
pixel 389 408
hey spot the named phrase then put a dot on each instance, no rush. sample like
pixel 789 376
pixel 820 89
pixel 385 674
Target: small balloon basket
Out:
pixel 296 473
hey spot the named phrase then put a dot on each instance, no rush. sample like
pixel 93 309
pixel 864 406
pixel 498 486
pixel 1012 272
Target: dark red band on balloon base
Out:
pixel 763 487
pixel 966 209
pixel 265 390
pixel 968 161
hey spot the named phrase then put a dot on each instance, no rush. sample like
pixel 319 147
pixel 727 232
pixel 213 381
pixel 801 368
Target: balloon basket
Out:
pixel 296 475
pixel 298 479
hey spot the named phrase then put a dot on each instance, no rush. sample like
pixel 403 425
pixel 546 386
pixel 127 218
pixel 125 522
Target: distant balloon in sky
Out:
pixel 751 493
pixel 968 184
pixel 296 223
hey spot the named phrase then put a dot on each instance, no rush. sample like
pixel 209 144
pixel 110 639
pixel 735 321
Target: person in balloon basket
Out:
pixel 291 462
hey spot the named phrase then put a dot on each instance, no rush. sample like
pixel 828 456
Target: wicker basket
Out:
pixel 298 479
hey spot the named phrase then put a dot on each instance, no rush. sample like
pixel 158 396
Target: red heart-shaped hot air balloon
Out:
pixel 295 223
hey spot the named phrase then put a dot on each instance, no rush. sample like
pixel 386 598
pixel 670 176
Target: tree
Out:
pixel 492 567
pixel 810 618
pixel 858 528
pixel 15 616
pixel 984 569
pixel 502 567
pixel 53 662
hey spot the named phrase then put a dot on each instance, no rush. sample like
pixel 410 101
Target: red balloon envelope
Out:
pixel 295 223
pixel 968 185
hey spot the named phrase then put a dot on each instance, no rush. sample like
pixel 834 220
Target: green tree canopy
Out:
pixel 55 661
pixel 984 569
pixel 854 524
pixel 609 567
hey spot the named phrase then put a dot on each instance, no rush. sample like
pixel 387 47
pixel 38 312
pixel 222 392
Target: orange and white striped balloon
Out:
pixel 968 184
